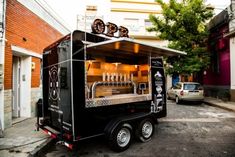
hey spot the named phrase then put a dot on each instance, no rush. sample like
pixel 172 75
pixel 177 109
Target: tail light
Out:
pixel 181 93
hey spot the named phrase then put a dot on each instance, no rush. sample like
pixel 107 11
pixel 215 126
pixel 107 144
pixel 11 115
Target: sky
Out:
pixel 67 11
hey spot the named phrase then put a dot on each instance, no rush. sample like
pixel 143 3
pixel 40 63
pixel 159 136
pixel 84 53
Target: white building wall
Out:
pixel 136 22
pixel 232 63
pixel 232 68
pixel 232 50
pixel 232 47
pixel 133 6
pixel 133 15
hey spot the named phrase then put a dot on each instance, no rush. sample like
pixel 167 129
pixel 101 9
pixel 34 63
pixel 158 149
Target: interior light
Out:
pixel 117 45
pixel 136 48
pixel 116 63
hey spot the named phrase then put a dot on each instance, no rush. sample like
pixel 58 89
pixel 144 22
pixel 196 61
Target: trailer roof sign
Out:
pixel 98 27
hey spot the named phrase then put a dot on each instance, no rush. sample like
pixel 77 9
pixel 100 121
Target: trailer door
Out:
pixel 57 85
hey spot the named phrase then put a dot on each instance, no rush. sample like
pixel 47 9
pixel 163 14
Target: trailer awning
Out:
pixel 126 46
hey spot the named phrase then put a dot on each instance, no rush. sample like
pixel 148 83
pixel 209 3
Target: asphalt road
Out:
pixel 189 130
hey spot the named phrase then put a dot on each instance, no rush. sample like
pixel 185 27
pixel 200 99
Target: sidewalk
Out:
pixel 22 139
pixel 228 105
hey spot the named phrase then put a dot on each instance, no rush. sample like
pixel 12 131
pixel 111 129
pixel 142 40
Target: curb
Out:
pixel 41 148
pixel 219 106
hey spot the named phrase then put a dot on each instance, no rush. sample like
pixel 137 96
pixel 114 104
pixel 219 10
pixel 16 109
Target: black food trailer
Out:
pixel 95 85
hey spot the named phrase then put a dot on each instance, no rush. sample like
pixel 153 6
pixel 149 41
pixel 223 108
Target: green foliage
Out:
pixel 183 24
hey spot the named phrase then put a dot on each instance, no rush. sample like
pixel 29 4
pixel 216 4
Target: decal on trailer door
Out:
pixel 54 89
pixel 53 84
pixel 158 85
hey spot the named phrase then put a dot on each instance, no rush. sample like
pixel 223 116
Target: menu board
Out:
pixel 158 85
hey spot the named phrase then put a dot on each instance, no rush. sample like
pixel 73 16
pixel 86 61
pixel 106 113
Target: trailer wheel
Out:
pixel 121 138
pixel 145 130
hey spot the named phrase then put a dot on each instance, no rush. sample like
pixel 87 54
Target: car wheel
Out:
pixel 121 138
pixel 177 101
pixel 145 130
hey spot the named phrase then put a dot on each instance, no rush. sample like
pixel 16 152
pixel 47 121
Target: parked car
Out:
pixel 186 91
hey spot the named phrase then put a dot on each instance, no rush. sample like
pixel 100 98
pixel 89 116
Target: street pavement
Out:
pixel 189 130
pixel 22 139
pixel 227 105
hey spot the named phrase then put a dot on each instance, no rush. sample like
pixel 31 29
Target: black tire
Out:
pixel 177 100
pixel 120 139
pixel 145 130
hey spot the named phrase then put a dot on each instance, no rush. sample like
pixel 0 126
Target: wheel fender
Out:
pixel 110 128
pixel 127 125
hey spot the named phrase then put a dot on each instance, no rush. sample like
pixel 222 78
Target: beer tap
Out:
pixel 103 78
pixel 131 77
pixel 125 80
pixel 112 79
pixel 117 79
pixel 120 79
pixel 128 79
pixel 108 79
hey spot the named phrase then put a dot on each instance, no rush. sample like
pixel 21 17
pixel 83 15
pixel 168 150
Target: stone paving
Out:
pixel 21 139
pixel 228 105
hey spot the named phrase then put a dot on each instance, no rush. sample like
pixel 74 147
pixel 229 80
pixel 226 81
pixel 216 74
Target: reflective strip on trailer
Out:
pixel 70 146
pixel 50 133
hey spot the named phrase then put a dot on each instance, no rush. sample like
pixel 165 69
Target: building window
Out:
pixel 147 23
pixel 91 8
pixel 132 24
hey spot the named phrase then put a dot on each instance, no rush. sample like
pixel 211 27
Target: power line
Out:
pixel 50 11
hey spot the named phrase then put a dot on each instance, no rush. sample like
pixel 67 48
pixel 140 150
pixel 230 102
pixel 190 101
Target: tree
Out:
pixel 183 24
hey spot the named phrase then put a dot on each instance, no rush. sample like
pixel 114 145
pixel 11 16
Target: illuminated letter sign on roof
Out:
pixel 123 32
pixel 112 28
pixel 98 27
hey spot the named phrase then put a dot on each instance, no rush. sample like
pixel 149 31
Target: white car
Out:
pixel 186 91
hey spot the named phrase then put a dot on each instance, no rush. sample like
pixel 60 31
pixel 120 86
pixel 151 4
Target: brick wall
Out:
pixel 8 68
pixel 27 30
pixel 36 72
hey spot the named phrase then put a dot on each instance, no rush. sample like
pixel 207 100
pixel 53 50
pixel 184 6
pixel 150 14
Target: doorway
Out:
pixel 16 87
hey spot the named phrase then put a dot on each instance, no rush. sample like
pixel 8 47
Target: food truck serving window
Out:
pixel 110 83
pixel 113 76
